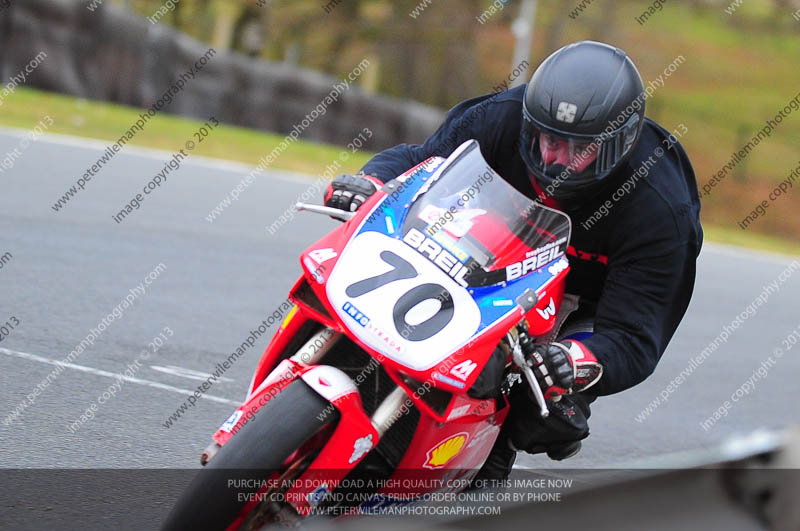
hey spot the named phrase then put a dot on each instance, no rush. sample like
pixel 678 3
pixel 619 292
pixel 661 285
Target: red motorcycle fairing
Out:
pixel 448 444
pixel 452 438
pixel 316 273
pixel 542 318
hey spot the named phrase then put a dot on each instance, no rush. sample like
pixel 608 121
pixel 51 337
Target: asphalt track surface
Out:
pixel 71 268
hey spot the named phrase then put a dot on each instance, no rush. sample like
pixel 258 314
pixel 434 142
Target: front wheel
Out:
pixel 220 491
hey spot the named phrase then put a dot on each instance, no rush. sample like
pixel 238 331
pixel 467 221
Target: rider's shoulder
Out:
pixel 506 101
pixel 661 183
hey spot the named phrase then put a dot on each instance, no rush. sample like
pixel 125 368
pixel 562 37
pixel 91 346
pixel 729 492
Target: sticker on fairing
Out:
pixel 450 245
pixel 436 254
pixel 445 451
pixel 449 381
pixel 457 222
pixel 361 447
pixel 318 495
pixel 418 315
pixel 548 311
pixel 228 425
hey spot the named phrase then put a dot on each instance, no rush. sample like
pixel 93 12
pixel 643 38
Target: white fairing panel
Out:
pixel 391 297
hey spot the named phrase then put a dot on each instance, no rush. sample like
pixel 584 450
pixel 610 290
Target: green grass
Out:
pixel 26 107
pixel 752 240
pixel 737 75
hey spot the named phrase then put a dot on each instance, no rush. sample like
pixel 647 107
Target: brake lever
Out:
pixel 519 360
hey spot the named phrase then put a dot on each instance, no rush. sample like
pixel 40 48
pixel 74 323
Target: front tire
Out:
pixel 261 447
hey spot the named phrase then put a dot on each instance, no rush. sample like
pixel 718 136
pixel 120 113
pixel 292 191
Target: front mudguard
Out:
pixel 353 437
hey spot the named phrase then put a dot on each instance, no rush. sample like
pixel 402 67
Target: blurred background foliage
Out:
pixel 739 68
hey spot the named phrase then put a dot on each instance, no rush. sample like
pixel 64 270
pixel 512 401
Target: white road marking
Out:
pixel 192 374
pixel 107 374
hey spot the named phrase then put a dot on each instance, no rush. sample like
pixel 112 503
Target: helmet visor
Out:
pixel 563 152
pixel 570 163
pixel 554 157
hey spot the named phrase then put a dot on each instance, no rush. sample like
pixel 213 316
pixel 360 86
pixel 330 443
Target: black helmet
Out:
pixel 582 115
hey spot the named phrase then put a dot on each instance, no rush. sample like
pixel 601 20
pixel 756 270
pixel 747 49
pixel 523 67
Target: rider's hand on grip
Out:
pixel 561 368
pixel 348 192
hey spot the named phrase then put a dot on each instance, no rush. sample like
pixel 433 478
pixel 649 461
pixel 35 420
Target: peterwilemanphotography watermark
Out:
pixel 22 76
pixel 222 367
pixel 127 375
pixel 11 157
pixel 87 342
pixel 721 339
pixel 137 127
pixel 266 161
pixel 781 190
pixel 5 258
pixel 741 154
pixel 172 165
pixel 651 10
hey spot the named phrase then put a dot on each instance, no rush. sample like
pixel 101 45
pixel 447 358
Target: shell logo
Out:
pixel 446 450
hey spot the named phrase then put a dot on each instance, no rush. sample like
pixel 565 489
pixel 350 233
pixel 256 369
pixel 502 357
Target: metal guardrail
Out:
pixel 745 484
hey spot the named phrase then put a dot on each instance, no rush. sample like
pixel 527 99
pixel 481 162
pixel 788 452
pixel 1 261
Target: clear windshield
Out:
pixel 469 211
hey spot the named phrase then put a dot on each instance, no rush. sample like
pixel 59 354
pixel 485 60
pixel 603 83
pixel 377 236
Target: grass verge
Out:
pixel 761 242
pixel 105 121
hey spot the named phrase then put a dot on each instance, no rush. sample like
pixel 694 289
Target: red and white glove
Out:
pixel 562 368
pixel 349 192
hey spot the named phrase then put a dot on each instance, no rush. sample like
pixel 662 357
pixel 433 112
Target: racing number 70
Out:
pixel 403 270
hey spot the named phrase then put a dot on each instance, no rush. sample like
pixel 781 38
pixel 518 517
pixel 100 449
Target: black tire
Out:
pixel 262 445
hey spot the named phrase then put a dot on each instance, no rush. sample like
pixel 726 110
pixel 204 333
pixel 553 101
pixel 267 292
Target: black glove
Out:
pixel 348 192
pixel 561 368
pixel 559 434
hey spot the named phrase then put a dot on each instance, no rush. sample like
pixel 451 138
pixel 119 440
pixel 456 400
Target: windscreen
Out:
pixel 467 214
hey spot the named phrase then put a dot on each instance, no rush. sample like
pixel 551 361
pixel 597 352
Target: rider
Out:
pixel 576 138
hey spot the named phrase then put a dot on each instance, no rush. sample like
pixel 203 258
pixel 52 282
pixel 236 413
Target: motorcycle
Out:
pixel 373 377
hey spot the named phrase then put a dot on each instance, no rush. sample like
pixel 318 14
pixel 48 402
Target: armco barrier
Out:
pixel 112 54
pixel 749 483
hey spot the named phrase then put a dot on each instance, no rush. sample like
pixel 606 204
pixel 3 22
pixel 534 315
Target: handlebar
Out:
pixel 336 213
